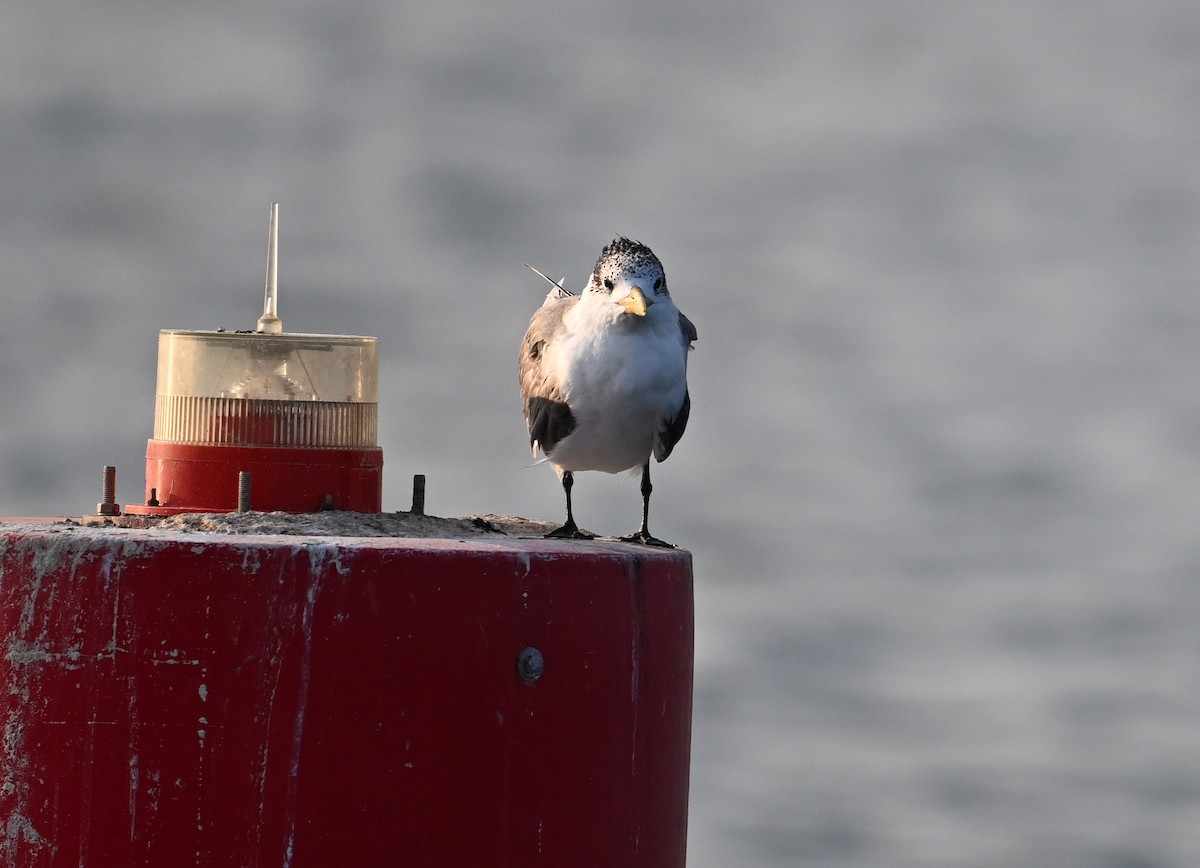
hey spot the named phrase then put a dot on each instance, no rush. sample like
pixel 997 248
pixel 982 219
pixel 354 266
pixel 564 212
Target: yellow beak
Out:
pixel 636 302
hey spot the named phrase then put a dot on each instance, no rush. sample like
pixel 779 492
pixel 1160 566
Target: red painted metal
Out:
pixel 188 699
pixel 186 477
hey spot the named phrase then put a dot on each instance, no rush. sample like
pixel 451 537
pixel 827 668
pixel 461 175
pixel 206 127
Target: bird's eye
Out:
pixel 658 284
pixel 608 284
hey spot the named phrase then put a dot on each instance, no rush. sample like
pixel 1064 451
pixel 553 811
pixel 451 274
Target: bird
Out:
pixel 604 375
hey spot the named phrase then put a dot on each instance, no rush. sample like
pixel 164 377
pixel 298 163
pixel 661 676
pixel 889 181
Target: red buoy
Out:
pixel 177 698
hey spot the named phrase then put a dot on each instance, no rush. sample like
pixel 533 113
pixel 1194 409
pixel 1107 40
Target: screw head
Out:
pixel 530 665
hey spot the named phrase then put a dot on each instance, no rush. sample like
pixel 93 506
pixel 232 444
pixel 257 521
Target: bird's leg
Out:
pixel 643 536
pixel 570 530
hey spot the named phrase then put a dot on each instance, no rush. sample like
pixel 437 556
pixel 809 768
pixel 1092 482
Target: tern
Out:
pixel 604 375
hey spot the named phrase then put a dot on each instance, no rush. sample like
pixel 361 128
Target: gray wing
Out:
pixel 670 432
pixel 688 330
pixel 546 411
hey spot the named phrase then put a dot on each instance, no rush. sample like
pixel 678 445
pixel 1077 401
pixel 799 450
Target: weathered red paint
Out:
pixel 226 700
pixel 188 477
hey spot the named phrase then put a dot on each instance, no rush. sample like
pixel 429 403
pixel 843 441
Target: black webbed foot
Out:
pixel 644 538
pixel 569 531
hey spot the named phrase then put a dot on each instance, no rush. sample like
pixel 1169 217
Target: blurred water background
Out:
pixel 943 470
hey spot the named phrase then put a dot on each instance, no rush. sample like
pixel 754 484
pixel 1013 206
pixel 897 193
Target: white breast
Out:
pixel 622 377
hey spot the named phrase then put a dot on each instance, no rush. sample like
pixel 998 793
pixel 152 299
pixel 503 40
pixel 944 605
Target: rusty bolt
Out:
pixel 418 501
pixel 108 493
pixel 243 491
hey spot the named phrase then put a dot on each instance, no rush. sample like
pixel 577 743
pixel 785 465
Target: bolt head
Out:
pixel 530 665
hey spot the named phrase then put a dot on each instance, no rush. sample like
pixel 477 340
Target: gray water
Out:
pixel 943 470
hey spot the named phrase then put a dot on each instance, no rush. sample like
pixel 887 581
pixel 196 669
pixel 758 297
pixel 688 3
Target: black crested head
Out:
pixel 625 256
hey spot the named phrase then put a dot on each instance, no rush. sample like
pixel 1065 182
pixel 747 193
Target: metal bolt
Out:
pixel 530 665
pixel 418 505
pixel 108 493
pixel 243 491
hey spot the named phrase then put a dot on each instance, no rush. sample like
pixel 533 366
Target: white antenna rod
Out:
pixel 269 322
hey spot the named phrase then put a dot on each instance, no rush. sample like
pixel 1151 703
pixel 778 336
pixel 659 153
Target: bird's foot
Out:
pixel 643 536
pixel 569 531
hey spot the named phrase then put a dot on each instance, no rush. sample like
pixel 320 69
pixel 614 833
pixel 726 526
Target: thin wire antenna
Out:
pixel 269 322
pixel 558 284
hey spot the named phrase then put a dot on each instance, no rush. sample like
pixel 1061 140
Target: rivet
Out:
pixel 530 665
